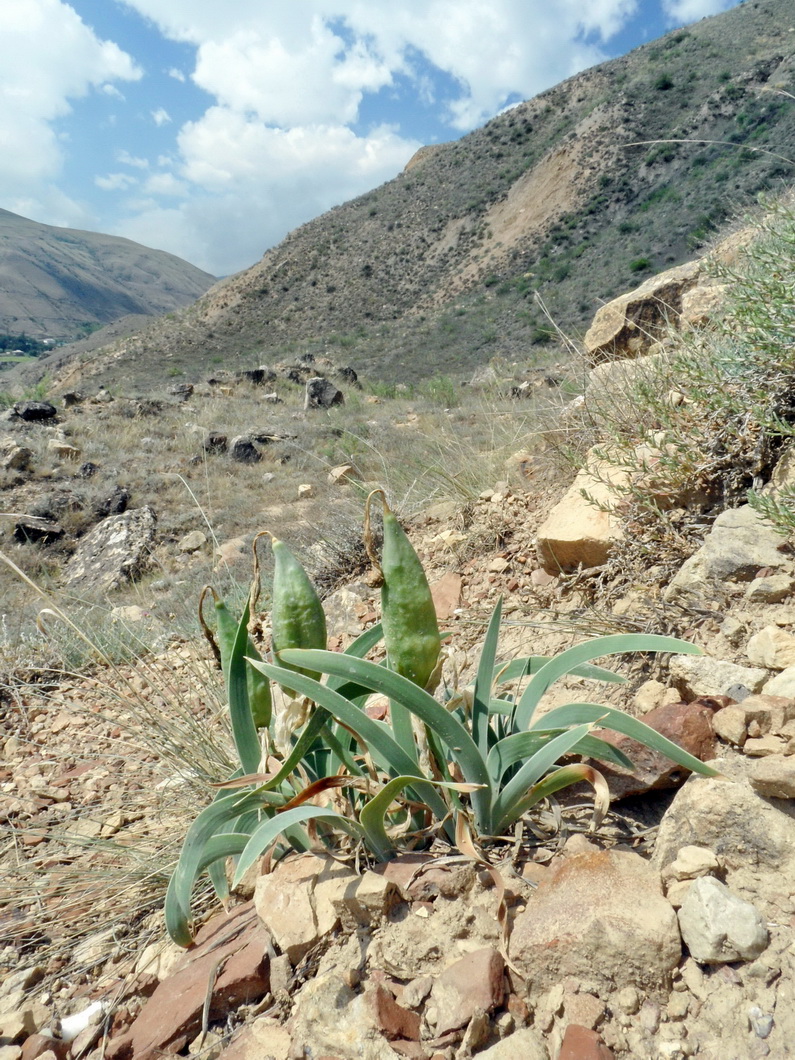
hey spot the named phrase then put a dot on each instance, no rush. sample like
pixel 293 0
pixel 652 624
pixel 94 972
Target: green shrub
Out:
pixel 714 415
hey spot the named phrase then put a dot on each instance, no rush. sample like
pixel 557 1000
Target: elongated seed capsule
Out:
pixel 257 685
pixel 297 617
pixel 408 615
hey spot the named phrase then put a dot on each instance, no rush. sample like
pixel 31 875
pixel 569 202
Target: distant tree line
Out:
pixel 32 347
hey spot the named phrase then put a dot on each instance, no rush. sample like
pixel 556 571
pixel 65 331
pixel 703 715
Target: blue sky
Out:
pixel 211 128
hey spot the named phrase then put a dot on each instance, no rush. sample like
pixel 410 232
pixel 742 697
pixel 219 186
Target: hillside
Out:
pixel 59 283
pixel 563 197
pixel 652 918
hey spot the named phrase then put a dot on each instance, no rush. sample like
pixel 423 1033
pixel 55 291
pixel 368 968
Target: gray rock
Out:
pixel 753 839
pixel 770 590
pixel 192 541
pixel 31 528
pixel 485 375
pixel 114 503
pixel 114 552
pixel 322 394
pixel 257 376
pixel 349 375
pixel 700 675
pixel 244 451
pixel 215 443
pixel 761 1023
pixel 183 391
pixel 718 926
pixel 739 544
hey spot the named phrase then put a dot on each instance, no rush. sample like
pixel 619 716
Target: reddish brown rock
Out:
pixel 419 883
pixel 687 724
pixel 446 593
pixel 392 1019
pixel 579 1043
pixel 474 983
pixel 229 950
pixel 37 1044
pixel 413 1050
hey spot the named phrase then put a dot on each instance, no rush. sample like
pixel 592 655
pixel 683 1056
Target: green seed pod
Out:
pixel 297 617
pixel 408 615
pixel 257 685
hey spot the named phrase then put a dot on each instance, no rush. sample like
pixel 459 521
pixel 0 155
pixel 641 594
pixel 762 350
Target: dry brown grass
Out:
pixel 442 442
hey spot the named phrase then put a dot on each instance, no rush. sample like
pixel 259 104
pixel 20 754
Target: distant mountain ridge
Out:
pixel 58 283
pixel 554 206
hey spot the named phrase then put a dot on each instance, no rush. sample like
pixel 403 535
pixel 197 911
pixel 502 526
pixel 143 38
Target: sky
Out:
pixel 211 128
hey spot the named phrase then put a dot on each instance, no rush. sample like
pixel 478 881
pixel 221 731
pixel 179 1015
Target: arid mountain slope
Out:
pixel 59 282
pixel 575 195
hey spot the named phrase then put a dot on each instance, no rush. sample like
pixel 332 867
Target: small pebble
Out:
pixel 761 1024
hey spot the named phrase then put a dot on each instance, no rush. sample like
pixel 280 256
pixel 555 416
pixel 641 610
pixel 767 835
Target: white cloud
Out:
pixel 225 147
pixel 126 159
pixel 279 142
pixel 313 61
pixel 165 184
pixel 115 182
pixel 49 58
pixel 281 138
pixel 112 91
pixel 52 206
pixel 684 11
pixel 314 81
pixel 250 184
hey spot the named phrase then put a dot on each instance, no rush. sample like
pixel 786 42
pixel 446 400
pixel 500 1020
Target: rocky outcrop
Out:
pixel 35 411
pixel 584 527
pixel 631 323
pixel 114 552
pixel 322 394
pixel 740 543
pixel 685 297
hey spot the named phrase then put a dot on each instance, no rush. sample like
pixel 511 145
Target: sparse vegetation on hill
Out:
pixel 429 442
pixel 621 171
pixel 61 284
pixel 107 766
